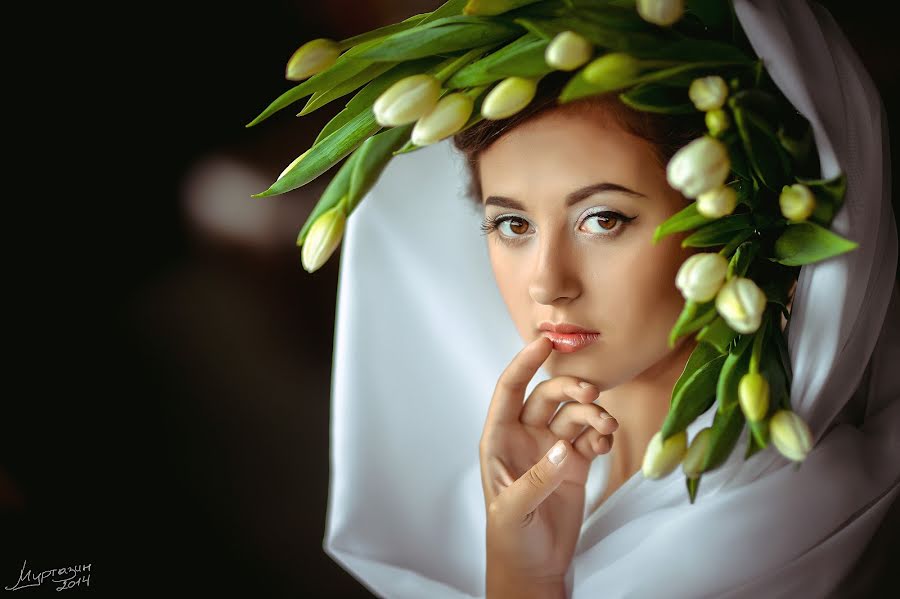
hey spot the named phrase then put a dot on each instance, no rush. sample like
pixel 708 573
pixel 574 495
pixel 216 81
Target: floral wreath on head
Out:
pixel 751 176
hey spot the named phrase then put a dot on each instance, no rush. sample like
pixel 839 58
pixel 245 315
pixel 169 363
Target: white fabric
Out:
pixel 422 335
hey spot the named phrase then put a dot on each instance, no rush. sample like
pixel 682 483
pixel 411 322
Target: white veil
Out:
pixel 422 336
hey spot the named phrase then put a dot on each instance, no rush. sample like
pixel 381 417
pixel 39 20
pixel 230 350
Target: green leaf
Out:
pixel 364 99
pixel 726 428
pixel 768 159
pixel 693 484
pixel 683 220
pixel 440 39
pixel 736 365
pixel 829 194
pixel 447 9
pixel 693 398
pixel 771 367
pixel 740 261
pixel 523 57
pixel 757 438
pixel 701 354
pixel 720 231
pixel 693 317
pixel 380 32
pixel 320 98
pixel 374 154
pixel 718 334
pixel 325 154
pixel 659 98
pixel 806 242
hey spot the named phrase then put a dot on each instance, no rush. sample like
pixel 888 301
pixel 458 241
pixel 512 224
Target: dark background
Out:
pixel 168 360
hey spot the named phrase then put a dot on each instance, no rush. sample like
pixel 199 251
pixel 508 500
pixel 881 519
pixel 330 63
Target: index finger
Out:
pixel 509 394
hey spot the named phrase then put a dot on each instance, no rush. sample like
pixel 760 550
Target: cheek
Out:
pixel 645 292
pixel 513 287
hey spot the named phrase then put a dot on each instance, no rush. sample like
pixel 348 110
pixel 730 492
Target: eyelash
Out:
pixel 491 224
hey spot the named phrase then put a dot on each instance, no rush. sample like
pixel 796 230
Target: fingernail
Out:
pixel 585 384
pixel 557 452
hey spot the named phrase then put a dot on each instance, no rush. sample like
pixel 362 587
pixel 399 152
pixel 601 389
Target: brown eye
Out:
pixel 517 226
pixel 607 222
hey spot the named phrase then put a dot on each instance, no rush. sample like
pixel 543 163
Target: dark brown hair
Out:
pixel 667 133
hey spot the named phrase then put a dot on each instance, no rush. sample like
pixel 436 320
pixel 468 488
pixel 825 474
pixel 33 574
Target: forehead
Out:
pixel 562 149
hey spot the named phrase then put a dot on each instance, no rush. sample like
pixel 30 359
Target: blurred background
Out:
pixel 167 415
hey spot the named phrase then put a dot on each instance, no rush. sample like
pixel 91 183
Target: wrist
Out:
pixel 500 585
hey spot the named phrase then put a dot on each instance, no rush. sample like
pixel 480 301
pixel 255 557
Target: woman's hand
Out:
pixel 535 507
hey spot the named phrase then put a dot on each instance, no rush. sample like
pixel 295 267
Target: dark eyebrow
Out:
pixel 573 198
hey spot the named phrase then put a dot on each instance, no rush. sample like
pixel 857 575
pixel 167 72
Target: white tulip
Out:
pixel 662 458
pixel 692 465
pixel 708 93
pixel 699 166
pixel 701 275
pixel 407 100
pixel 568 51
pixel 508 97
pixel 660 12
pixel 312 57
pixel 717 202
pixel 753 395
pixel 790 434
pixel 448 117
pixel 323 237
pixel 741 303
pixel 797 202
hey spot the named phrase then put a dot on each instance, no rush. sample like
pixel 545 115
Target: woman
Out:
pixel 429 318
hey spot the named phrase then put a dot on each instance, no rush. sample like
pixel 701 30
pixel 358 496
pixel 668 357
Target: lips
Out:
pixel 568 338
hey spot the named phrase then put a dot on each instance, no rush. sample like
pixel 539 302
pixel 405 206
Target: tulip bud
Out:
pixel 717 202
pixel 613 69
pixel 753 394
pixel 323 237
pixel 708 93
pixel 293 163
pixel 508 97
pixel 661 458
pixel 741 304
pixel 790 434
pixel 407 100
pixel 701 275
pixel 699 166
pixel 448 117
pixel 312 57
pixel 568 51
pixel 692 466
pixel 717 121
pixel 660 12
pixel 797 202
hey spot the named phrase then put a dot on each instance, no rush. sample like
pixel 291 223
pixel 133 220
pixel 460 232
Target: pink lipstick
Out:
pixel 566 337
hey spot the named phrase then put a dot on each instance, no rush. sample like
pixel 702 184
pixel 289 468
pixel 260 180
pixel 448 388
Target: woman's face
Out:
pixel 562 253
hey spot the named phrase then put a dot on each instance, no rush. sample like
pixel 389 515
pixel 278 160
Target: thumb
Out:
pixel 533 487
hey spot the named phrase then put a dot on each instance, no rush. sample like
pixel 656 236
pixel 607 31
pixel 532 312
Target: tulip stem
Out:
pixel 756 354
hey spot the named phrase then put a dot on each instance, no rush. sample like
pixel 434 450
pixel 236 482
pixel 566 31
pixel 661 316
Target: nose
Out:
pixel 555 277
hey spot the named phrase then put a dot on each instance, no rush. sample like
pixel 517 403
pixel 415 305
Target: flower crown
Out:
pixel 436 74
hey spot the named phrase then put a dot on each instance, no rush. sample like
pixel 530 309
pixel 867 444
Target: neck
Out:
pixel 640 406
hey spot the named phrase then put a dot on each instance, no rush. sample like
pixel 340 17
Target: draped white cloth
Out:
pixel 422 336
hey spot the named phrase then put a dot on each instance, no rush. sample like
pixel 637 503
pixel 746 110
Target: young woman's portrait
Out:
pixel 502 299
